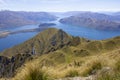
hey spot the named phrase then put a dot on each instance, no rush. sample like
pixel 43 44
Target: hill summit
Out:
pixel 45 42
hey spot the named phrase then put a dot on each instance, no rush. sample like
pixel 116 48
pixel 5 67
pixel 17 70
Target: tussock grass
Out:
pixel 32 71
pixel 89 65
pixel 71 61
pixel 109 76
pixel 72 73
pixel 117 66
pixel 94 46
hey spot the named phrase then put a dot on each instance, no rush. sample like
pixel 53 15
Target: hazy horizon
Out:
pixel 60 5
pixel 62 11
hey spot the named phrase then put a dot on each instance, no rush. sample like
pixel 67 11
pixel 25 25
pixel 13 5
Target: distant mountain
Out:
pixel 94 20
pixel 97 15
pixel 71 13
pixel 116 13
pixel 14 18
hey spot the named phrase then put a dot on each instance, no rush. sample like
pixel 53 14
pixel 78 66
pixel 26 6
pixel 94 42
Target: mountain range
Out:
pixel 21 18
pixel 94 20
pixel 100 21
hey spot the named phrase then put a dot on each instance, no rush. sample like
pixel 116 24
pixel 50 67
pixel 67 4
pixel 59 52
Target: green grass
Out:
pixel 117 66
pixel 36 74
pixel 32 72
pixel 92 68
pixel 72 73
pixel 78 66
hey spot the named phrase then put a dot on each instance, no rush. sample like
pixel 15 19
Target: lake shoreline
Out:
pixel 7 33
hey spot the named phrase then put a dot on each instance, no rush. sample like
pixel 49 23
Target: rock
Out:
pixel 78 78
pixel 8 66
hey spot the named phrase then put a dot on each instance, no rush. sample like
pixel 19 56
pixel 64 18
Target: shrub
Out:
pixel 32 72
pixel 72 73
pixel 117 66
pixel 36 74
pixel 81 53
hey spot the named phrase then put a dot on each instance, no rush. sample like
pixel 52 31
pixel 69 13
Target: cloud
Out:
pixel 2 3
pixel 60 5
pixel 53 0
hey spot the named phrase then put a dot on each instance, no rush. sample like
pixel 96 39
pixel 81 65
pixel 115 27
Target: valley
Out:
pixel 15 35
pixel 59 39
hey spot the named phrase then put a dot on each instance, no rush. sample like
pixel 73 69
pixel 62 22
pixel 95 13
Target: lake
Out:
pixel 85 32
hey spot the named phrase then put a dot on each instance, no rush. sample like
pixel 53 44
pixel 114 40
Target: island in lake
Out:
pixel 47 24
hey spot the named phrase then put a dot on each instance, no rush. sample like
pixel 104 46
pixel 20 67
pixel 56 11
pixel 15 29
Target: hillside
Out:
pixel 55 55
pixel 16 19
pixel 96 15
pixel 47 41
pixel 93 20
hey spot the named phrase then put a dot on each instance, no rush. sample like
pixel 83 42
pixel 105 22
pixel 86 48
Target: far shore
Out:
pixel 4 34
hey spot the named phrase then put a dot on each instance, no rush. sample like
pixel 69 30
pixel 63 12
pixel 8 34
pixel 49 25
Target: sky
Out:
pixel 60 5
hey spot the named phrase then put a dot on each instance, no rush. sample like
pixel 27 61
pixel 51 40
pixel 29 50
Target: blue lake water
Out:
pixel 19 28
pixel 86 32
pixel 15 39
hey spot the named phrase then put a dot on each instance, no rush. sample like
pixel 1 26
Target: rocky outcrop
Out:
pixel 8 66
pixel 79 78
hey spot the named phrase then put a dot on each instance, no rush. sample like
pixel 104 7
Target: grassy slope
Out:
pixel 86 58
pixel 42 43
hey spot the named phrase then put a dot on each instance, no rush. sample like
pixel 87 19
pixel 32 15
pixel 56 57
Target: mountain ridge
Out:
pixel 94 20
pixel 21 18
pixel 67 56
pixel 52 38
